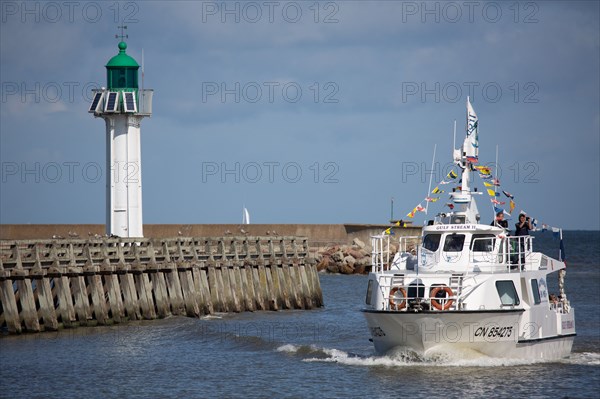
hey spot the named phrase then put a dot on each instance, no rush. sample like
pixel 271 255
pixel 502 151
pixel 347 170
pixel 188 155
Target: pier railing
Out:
pixel 48 284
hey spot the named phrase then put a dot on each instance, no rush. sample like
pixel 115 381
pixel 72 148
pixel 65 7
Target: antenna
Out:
pixel 122 35
pixel 142 69
pixel 454 142
pixel 430 178
pixel 495 177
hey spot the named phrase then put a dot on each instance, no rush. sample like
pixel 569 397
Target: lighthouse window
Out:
pixel 454 243
pixel 507 293
pixel 431 242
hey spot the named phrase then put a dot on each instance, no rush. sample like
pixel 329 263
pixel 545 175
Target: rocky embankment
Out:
pixel 346 259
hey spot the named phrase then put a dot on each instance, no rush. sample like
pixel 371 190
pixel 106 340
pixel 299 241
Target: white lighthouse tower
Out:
pixel 123 105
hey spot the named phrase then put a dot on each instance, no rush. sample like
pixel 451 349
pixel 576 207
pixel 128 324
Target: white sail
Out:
pixel 245 216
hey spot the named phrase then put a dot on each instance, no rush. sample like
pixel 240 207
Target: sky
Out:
pixel 303 112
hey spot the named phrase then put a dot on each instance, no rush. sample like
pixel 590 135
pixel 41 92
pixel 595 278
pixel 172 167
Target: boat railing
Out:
pixel 513 254
pixel 380 255
pixel 428 292
pixel 409 244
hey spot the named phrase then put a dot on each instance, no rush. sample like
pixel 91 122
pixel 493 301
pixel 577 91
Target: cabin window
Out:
pixel 416 289
pixel 454 243
pixel 369 292
pixel 483 242
pixel 507 293
pixel 431 242
pixel 536 291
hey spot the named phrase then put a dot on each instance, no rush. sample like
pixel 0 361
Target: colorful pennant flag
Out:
pixel 496 202
pixel 509 195
pixel 450 205
pixel 496 182
pixel 420 208
pixel 432 199
pixel 484 170
pixel 488 184
pixel 491 192
pixel 437 191
pixel 472 159
pixel 452 175
pixel 512 204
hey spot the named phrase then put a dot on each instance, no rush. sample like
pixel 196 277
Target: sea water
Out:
pixel 319 353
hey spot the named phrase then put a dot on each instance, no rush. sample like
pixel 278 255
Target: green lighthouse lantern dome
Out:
pixel 122 71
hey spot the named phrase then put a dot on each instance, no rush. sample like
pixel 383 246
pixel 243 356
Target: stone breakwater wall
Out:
pixel 52 284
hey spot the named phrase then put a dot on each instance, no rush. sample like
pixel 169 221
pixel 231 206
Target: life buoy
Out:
pixel 435 301
pixel 393 304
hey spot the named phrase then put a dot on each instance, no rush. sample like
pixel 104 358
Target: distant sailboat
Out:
pixel 245 216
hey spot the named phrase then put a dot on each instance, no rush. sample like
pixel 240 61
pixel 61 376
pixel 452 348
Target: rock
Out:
pixel 358 243
pixel 338 256
pixel 346 269
pixel 323 264
pixel 350 261
pixel 364 252
pixel 356 254
pixel 330 251
pixel 333 268
pixel 359 269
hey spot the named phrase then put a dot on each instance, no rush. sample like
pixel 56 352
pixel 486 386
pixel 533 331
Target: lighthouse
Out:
pixel 123 105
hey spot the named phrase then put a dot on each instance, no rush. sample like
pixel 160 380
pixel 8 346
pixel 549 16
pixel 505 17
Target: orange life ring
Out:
pixel 393 304
pixel 435 302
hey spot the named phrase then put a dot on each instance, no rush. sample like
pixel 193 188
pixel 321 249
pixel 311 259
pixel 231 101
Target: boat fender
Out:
pixel 397 305
pixel 435 301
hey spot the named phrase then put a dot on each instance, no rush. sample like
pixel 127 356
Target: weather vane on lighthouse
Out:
pixel 122 35
pixel 123 105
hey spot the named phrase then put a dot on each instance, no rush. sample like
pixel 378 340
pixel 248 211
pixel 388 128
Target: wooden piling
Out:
pixel 51 284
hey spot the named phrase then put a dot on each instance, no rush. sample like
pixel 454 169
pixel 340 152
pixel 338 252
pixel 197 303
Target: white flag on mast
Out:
pixel 471 143
pixel 245 216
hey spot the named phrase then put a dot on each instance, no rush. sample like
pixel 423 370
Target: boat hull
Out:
pixel 497 334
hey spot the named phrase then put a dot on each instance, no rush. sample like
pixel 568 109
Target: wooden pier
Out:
pixel 52 284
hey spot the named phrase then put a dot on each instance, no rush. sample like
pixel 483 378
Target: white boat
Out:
pixel 463 285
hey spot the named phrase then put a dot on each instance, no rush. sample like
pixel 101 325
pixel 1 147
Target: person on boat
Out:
pixel 522 229
pixel 523 226
pixel 499 221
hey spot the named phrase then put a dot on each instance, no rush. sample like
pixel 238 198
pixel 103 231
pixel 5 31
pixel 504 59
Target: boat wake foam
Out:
pixel 445 357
